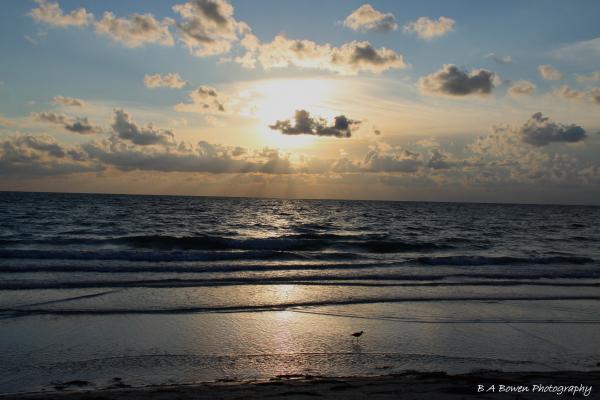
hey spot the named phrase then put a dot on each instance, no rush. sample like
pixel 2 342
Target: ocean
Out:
pixel 165 289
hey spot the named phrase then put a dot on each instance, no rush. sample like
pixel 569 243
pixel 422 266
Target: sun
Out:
pixel 278 99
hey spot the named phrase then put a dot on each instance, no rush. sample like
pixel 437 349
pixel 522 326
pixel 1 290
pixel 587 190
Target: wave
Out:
pixel 172 255
pixel 271 254
pixel 313 280
pixel 16 312
pixel 298 242
pixel 195 269
pixel 483 260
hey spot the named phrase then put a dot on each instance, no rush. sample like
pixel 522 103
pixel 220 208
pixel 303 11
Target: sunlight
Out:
pixel 278 99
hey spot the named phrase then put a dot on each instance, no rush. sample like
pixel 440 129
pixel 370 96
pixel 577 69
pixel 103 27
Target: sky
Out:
pixel 389 100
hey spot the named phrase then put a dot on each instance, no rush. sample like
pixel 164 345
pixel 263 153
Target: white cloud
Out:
pixel 366 18
pixel 51 14
pixel 348 59
pixel 583 52
pixel 426 28
pixel 566 92
pixel 208 26
pixel 521 88
pixel 591 77
pixel 67 101
pixel 172 81
pixel 506 60
pixel 550 73
pixel 137 30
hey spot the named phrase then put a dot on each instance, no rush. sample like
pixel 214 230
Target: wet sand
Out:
pixel 408 385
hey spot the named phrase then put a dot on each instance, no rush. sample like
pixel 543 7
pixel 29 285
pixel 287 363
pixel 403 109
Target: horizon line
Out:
pixel 307 198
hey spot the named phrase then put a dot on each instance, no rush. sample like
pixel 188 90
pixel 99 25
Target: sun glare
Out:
pixel 278 99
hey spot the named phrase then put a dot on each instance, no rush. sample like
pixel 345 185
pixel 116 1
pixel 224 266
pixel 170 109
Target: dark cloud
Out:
pixel 30 156
pixel 363 56
pixel 540 131
pixel 79 125
pixel 438 160
pixel 205 100
pixel 595 95
pixel 150 149
pixel 126 129
pixel 43 143
pixel 452 81
pixel 304 124
pixel 392 160
pixel 202 157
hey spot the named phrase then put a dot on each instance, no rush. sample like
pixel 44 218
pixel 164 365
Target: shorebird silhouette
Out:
pixel 357 334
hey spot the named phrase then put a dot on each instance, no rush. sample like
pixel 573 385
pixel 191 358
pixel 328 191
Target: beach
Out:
pixel 408 385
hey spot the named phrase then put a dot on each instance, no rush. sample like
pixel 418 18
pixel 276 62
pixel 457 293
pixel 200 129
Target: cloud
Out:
pixel 126 129
pixel 79 125
pixel 595 95
pixel 501 157
pixel 366 18
pixel 592 77
pixel 29 156
pixel 506 60
pixel 67 101
pixel 427 29
pixel 540 131
pixel 348 59
pixel 37 38
pixel 137 30
pixel 304 124
pixel 172 81
pixel 550 73
pixel 205 100
pixel 585 52
pixel 208 26
pixel 521 88
pixel 202 157
pixel 51 14
pixel 391 159
pixel 439 160
pixel 568 93
pixel 452 81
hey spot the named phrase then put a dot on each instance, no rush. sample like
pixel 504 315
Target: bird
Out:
pixel 357 334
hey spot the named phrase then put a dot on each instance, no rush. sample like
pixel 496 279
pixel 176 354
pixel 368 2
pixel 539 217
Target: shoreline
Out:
pixel 406 385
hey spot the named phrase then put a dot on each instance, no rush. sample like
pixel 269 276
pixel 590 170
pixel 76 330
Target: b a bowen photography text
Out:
pixel 559 390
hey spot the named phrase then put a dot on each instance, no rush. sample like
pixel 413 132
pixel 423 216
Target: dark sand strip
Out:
pixel 409 385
